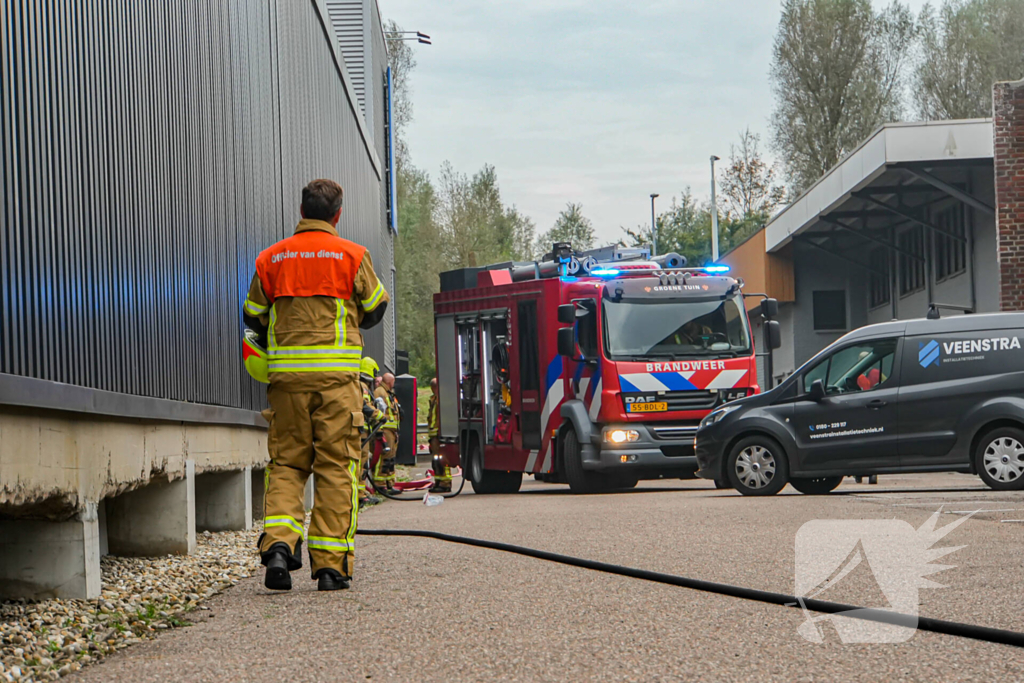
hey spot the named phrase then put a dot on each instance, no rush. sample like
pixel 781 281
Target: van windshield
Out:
pixel 675 329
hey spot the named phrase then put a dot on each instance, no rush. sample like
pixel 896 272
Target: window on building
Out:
pixel 911 269
pixel 950 253
pixel 829 310
pixel 879 291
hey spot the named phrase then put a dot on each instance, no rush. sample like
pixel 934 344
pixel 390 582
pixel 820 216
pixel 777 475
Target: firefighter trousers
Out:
pixel 314 433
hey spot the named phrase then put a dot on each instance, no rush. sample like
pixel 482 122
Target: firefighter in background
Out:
pixel 385 473
pixel 311 295
pixel 439 463
pixel 374 414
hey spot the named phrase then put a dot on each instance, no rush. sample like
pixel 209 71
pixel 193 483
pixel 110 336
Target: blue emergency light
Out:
pixel 716 269
pixel 604 272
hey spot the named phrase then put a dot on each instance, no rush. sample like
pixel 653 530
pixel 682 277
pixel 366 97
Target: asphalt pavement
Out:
pixel 426 610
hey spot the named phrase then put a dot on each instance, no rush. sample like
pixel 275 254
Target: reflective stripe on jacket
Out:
pixel 392 403
pixel 312 290
pixel 432 417
pixel 378 414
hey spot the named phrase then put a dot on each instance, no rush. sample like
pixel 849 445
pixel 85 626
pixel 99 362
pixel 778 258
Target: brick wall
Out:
pixel 1008 139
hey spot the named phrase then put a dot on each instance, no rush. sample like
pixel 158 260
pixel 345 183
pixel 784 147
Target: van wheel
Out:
pixel 815 486
pixel 1000 459
pixel 722 484
pixel 489 481
pixel 580 480
pixel 757 466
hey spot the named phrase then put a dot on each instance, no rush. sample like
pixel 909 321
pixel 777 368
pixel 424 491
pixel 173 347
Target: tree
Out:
pixel 570 226
pixel 748 184
pixel 476 227
pixel 685 228
pixel 965 48
pixel 418 263
pixel 837 75
pixel 402 61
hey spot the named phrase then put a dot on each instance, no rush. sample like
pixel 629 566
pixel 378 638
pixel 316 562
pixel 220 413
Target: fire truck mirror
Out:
pixel 567 313
pixel 773 332
pixel 770 309
pixel 567 342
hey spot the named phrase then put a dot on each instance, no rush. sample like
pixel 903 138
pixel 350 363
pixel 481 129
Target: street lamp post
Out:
pixel 654 228
pixel 714 214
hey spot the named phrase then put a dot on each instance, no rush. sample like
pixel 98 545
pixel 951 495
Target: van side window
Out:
pixel 861 367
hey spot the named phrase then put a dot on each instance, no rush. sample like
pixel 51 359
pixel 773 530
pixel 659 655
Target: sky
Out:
pixel 600 102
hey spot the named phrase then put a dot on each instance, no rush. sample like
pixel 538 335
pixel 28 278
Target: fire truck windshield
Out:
pixel 675 329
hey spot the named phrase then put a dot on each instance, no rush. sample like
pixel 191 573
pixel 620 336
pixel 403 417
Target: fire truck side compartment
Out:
pixel 447 377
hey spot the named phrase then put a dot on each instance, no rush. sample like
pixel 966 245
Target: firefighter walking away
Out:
pixel 312 294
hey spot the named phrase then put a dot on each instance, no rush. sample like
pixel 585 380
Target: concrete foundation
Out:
pixel 158 519
pixel 259 490
pixel 224 501
pixel 54 463
pixel 40 560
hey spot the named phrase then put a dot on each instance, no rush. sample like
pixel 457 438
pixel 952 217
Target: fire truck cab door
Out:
pixel 526 340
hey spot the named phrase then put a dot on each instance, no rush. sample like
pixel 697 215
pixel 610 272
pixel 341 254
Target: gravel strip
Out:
pixel 42 641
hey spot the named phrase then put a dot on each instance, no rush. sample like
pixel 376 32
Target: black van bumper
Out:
pixel 659 450
pixel 709 451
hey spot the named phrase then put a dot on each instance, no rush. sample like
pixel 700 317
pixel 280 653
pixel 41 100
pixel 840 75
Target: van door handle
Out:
pixel 876 404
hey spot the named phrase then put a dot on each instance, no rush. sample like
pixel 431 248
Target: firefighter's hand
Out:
pixel 381 406
pixel 368 411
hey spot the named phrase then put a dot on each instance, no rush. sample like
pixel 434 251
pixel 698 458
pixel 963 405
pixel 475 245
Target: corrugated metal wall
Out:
pixel 348 22
pixel 149 152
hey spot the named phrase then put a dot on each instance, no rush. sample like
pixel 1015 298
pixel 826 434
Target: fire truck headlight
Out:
pixel 618 436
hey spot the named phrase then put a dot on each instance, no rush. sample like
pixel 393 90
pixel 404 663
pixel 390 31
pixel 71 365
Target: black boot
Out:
pixel 331 580
pixel 276 560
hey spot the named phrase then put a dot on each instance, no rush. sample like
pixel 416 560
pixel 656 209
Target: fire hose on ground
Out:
pixel 419 485
pixel 950 628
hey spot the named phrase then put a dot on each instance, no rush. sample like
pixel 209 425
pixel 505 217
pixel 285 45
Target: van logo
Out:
pixel 928 354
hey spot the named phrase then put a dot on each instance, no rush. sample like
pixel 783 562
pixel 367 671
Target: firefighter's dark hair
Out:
pixel 321 199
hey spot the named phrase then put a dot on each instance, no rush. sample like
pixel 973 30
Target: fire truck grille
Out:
pixel 673 432
pixel 690 400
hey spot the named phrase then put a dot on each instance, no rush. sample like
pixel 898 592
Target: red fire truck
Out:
pixel 590 369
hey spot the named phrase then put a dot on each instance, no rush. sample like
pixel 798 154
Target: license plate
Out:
pixel 648 407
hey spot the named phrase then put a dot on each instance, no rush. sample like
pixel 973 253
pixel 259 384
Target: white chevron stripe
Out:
pixel 547 453
pixel 595 405
pixel 584 383
pixel 645 381
pixel 554 397
pixel 727 379
pixel 531 461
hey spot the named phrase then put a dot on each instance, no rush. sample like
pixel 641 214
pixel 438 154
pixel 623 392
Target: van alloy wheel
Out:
pixel 755 467
pixel 1004 459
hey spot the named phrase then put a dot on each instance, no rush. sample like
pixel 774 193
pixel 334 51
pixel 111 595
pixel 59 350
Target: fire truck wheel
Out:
pixel 580 480
pixel 757 466
pixel 489 481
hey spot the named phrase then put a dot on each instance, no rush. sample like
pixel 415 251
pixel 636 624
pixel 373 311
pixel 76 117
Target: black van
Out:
pixel 941 395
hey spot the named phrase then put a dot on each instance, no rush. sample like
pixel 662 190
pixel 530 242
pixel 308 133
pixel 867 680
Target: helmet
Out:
pixel 368 368
pixel 255 358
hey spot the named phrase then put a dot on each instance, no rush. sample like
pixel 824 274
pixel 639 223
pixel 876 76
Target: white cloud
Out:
pixel 593 101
